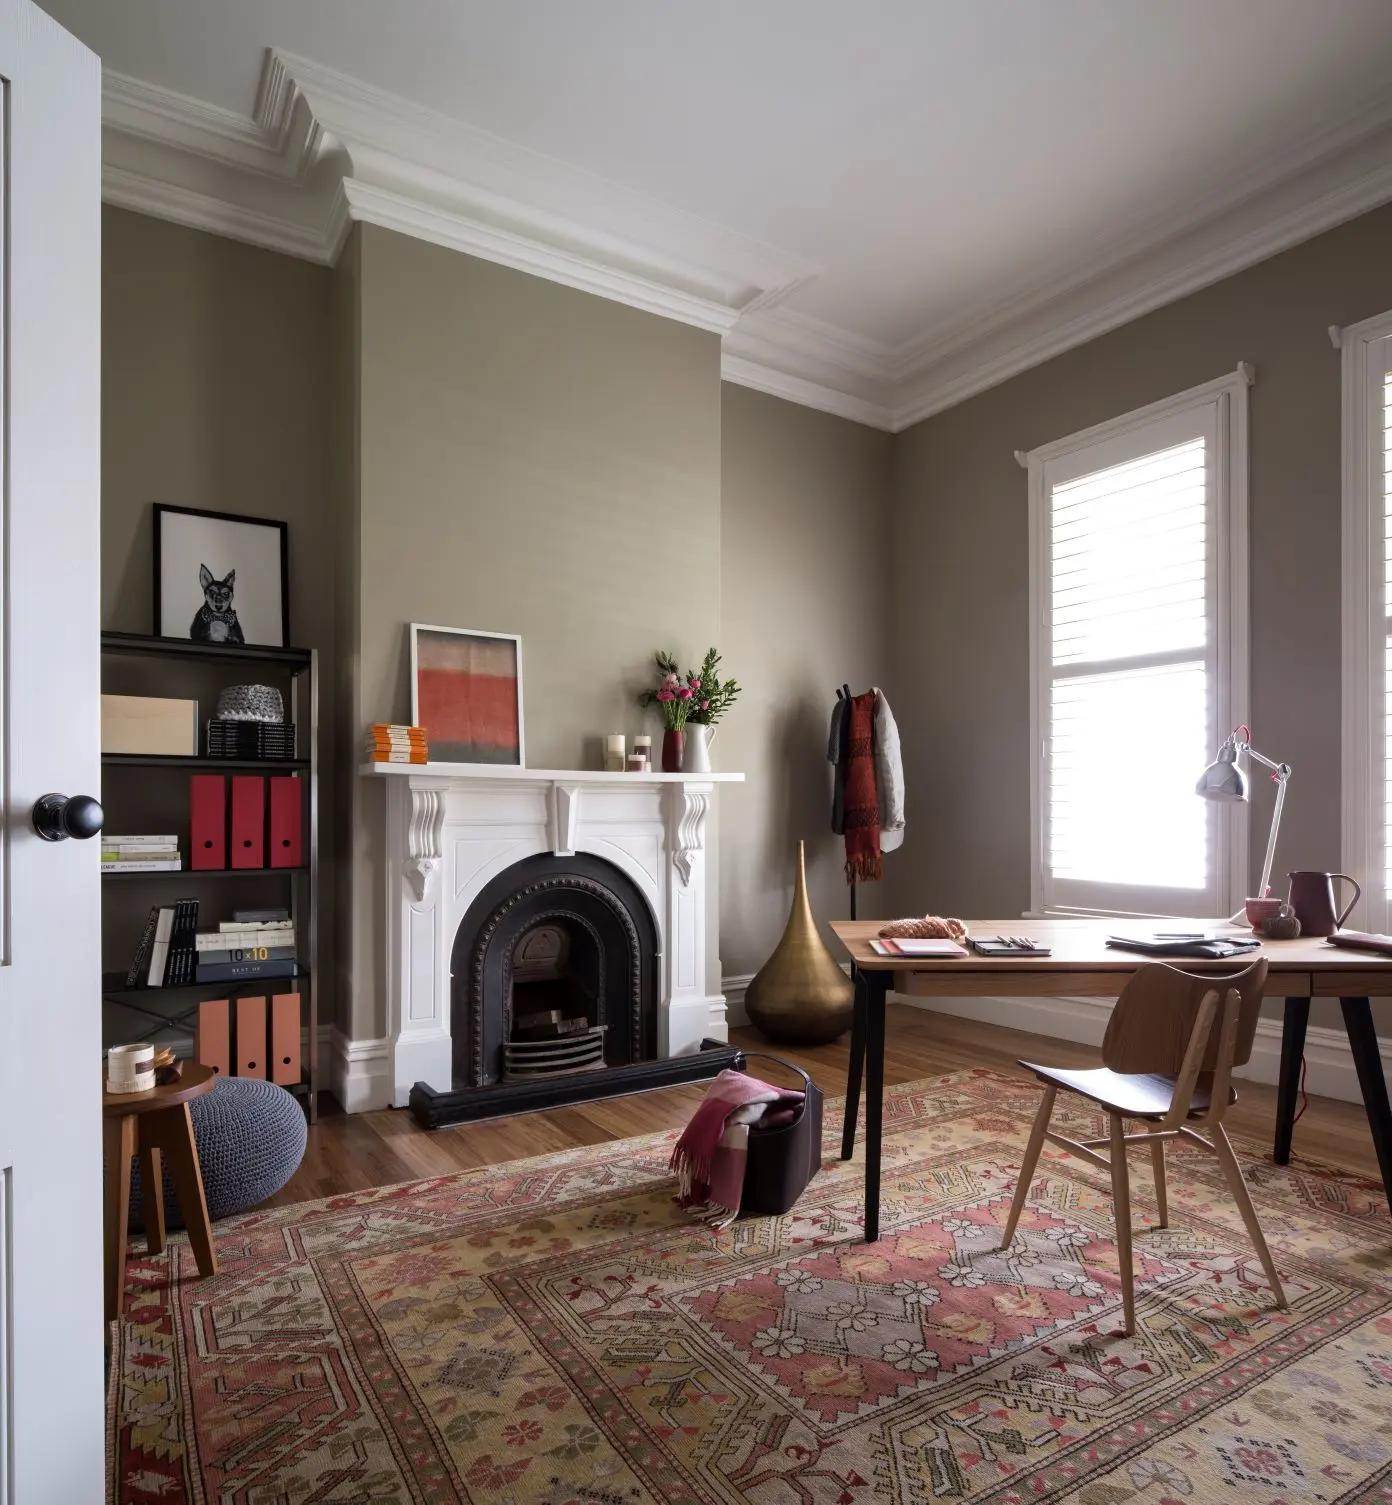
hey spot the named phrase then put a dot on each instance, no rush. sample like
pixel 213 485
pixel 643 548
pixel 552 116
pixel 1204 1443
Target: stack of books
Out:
pixel 254 943
pixel 166 956
pixel 397 744
pixel 140 854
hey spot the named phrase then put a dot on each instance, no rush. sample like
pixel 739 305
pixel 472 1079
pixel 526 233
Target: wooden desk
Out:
pixel 1081 965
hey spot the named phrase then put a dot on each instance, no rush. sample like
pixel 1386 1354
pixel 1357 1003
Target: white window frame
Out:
pixel 1226 397
pixel 1366 350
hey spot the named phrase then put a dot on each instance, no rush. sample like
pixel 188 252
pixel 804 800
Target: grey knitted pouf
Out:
pixel 251 1139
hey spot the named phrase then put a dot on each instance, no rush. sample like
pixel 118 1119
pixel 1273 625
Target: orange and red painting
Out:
pixel 468 694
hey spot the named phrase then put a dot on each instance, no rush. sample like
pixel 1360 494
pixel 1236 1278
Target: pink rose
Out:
pixel 670 681
pixel 666 695
pixel 705 705
pixel 684 692
pixel 695 683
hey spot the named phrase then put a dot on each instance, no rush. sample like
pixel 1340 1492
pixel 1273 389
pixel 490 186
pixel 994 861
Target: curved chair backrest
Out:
pixel 1149 1028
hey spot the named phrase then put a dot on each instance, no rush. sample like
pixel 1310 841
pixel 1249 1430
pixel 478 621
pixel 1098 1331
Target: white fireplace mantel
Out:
pixel 453 827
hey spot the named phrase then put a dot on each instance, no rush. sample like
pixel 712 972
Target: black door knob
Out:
pixel 56 817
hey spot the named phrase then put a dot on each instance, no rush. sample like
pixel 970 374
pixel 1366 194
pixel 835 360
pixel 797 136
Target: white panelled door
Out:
pixel 51 1352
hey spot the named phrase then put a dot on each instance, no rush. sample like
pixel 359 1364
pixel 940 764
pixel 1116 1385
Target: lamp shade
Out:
pixel 1223 780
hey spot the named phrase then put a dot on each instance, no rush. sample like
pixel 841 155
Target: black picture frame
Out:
pixel 179 623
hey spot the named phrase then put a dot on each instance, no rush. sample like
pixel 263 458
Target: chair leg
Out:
pixel 1162 1199
pixel 1032 1152
pixel 119 1135
pixel 1232 1173
pixel 1121 1197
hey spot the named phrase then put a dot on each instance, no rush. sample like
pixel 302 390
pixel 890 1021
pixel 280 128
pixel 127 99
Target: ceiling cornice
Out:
pixel 325 150
pixel 426 175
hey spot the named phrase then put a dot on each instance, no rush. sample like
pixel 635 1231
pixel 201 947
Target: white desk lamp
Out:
pixel 1225 782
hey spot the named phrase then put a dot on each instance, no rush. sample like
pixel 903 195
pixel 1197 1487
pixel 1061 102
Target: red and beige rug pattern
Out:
pixel 554 1332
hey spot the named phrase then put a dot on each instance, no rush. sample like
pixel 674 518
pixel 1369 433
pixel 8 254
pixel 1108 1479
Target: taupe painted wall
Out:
pixel 213 359
pixel 536 460
pixel 961 628
pixel 804 508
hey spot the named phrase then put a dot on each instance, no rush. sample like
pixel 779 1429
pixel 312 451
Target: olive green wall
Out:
pixel 804 509
pixel 213 397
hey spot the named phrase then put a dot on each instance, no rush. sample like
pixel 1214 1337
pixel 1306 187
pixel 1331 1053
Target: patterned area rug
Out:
pixel 554 1332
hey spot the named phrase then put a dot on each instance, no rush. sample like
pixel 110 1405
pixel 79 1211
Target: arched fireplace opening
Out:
pixel 554 971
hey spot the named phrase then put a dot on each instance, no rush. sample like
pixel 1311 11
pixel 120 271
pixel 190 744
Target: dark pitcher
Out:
pixel 1312 899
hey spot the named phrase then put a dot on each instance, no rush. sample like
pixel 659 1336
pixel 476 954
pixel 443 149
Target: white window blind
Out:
pixel 1133 659
pixel 1367 600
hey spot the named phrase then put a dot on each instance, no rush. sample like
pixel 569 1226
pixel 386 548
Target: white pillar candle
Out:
pixel 614 752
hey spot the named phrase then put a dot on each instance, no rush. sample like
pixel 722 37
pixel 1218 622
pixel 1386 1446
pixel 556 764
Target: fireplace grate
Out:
pixel 556 1057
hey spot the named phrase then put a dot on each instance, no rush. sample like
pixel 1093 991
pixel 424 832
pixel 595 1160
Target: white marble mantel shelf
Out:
pixel 547 775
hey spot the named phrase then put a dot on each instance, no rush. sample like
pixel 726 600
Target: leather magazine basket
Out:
pixel 782 1160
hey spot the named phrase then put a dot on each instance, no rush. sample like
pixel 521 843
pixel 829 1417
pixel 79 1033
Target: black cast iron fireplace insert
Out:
pixel 567 938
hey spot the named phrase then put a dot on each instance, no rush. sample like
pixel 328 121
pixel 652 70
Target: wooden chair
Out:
pixel 1168 1055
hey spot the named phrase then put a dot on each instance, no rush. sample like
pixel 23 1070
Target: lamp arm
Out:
pixel 1281 769
pixel 1282 774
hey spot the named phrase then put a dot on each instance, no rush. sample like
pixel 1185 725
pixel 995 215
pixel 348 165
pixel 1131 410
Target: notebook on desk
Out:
pixel 906 946
pixel 1213 947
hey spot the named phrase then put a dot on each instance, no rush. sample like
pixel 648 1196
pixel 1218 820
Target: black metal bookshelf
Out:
pixel 159 781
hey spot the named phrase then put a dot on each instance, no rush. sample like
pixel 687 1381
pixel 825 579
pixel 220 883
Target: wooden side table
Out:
pixel 157 1126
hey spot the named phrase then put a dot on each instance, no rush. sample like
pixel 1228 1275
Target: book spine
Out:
pixel 140 841
pixel 161 866
pixel 141 960
pixel 232 971
pixel 159 951
pixel 220 940
pixel 392 757
pixel 246 954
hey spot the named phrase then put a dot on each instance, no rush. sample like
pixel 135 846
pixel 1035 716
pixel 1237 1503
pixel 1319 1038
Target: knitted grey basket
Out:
pixel 250 703
pixel 251 1138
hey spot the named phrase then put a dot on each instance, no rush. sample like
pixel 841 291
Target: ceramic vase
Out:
pixel 672 746
pixel 696 748
pixel 800 996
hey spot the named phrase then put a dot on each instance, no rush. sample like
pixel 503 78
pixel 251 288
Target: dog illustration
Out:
pixel 216 621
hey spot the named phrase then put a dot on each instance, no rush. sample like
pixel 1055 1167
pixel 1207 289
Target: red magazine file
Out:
pixel 252 1039
pixel 285 823
pixel 212 1039
pixel 207 821
pixel 248 821
pixel 285 1038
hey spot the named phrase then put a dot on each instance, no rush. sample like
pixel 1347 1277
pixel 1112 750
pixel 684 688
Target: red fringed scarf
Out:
pixel 862 794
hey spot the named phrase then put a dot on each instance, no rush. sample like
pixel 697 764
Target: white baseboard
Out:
pixel 735 1016
pixel 357 1072
pixel 1329 1069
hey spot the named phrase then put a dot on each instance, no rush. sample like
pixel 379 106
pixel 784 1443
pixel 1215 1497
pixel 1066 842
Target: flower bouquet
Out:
pixel 699 698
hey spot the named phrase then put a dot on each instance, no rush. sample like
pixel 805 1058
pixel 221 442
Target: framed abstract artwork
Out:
pixel 221 578
pixel 466 691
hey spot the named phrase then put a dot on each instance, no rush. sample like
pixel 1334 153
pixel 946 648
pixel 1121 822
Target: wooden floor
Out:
pixel 354 1152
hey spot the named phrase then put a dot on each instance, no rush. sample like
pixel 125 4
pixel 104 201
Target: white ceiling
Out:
pixel 933 162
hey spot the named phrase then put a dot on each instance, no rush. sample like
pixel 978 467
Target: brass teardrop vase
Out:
pixel 800 996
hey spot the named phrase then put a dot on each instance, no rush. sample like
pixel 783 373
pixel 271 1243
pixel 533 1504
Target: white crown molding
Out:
pixel 426 175
pixel 325 150
pixel 817 365
pixel 1237 230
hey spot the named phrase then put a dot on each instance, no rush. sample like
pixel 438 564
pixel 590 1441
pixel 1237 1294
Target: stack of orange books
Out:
pixel 397 744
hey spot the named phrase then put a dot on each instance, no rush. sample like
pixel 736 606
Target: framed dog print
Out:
pixel 466 691
pixel 220 578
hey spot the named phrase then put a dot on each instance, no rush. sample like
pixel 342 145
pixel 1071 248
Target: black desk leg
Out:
pixel 1288 1089
pixel 876 991
pixel 1363 1042
pixel 857 1067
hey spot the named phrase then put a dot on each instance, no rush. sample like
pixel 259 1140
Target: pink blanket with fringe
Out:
pixel 710 1156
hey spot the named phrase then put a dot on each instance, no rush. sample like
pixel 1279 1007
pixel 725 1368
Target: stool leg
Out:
pixel 119 1135
pixel 171 1131
pixel 152 1196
